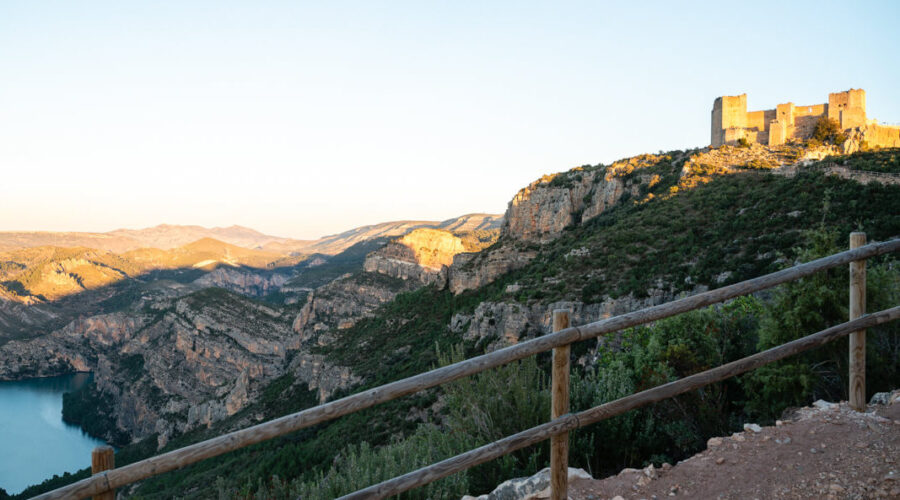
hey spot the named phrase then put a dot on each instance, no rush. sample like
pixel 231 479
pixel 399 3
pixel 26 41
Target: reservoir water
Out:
pixel 35 443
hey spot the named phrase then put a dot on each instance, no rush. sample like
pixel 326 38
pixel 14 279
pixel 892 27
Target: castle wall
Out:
pixel 731 121
pixel 760 119
pixel 804 126
pixel 883 136
pixel 816 110
pixel 778 133
pixel 785 114
pixel 852 118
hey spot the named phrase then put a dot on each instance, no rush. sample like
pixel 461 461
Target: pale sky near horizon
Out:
pixel 302 119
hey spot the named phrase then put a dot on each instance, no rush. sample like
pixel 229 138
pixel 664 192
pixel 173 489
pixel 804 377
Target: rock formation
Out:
pixel 422 255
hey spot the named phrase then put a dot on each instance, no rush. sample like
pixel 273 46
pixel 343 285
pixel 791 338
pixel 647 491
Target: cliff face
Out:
pixel 23 317
pixel 473 270
pixel 243 281
pixel 191 361
pixel 541 211
pixel 494 325
pixel 422 255
pixel 341 303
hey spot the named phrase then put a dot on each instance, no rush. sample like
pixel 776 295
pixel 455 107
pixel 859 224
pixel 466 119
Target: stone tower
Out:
pixel 729 118
pixel 789 122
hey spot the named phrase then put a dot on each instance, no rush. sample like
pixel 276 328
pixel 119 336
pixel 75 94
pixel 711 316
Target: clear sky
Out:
pixel 307 118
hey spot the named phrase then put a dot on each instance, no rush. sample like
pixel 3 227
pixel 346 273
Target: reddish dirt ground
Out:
pixel 825 452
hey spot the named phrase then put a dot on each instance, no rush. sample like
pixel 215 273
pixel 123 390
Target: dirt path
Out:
pixel 825 451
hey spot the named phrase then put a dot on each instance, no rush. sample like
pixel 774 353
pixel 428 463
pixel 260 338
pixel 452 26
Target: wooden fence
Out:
pixel 106 478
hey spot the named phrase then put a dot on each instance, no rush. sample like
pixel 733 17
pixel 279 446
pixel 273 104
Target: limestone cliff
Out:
pixel 243 281
pixel 421 255
pixel 187 362
pixel 541 211
pixel 341 303
pixel 494 325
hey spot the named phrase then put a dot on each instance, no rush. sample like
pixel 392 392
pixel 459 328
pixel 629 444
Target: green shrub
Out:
pixel 646 357
pixel 359 466
pixel 828 130
pixel 811 304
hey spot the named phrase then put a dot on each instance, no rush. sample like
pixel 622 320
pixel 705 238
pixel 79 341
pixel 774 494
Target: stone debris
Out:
pixel 535 487
pixel 753 428
pixel 884 398
pixel 825 405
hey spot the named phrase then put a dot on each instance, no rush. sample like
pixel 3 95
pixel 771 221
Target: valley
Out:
pixel 188 340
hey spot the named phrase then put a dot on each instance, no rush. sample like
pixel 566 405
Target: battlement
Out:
pixel 788 122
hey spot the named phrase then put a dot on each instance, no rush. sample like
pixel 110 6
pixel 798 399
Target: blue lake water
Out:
pixel 35 443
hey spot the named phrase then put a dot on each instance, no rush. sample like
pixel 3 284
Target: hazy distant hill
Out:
pixel 163 236
pixel 51 272
pixel 339 242
pixel 102 241
pixel 206 253
pixel 168 236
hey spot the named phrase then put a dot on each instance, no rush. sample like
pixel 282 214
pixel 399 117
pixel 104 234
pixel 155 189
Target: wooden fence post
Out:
pixel 857 339
pixel 559 444
pixel 103 458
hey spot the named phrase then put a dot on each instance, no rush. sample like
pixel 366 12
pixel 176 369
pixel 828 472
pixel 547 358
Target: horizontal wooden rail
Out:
pixel 182 457
pixel 571 421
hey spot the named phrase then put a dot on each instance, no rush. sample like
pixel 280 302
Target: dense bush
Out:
pixel 89 408
pixel 812 304
pixel 828 130
pixel 883 160
pixel 646 357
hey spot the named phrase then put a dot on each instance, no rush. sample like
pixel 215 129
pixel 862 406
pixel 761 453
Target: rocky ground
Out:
pixel 825 451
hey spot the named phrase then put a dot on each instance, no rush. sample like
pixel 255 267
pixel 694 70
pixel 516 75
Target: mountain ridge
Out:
pixel 168 236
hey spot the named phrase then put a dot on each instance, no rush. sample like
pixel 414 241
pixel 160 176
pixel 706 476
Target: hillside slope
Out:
pixel 721 223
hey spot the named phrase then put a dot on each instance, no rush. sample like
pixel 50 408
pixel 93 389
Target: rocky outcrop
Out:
pixel 321 376
pixel 243 281
pixel 24 316
pixel 873 134
pixel 343 302
pixel 499 324
pixel 195 360
pixel 528 488
pixel 540 211
pixel 474 270
pixel 422 255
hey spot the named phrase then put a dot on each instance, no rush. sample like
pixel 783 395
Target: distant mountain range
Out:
pixel 336 243
pixel 167 236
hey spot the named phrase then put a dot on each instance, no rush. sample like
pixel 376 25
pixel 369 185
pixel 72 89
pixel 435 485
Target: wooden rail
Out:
pixel 109 480
pixel 571 421
pixel 559 443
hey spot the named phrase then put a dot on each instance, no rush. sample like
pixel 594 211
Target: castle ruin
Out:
pixel 790 123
